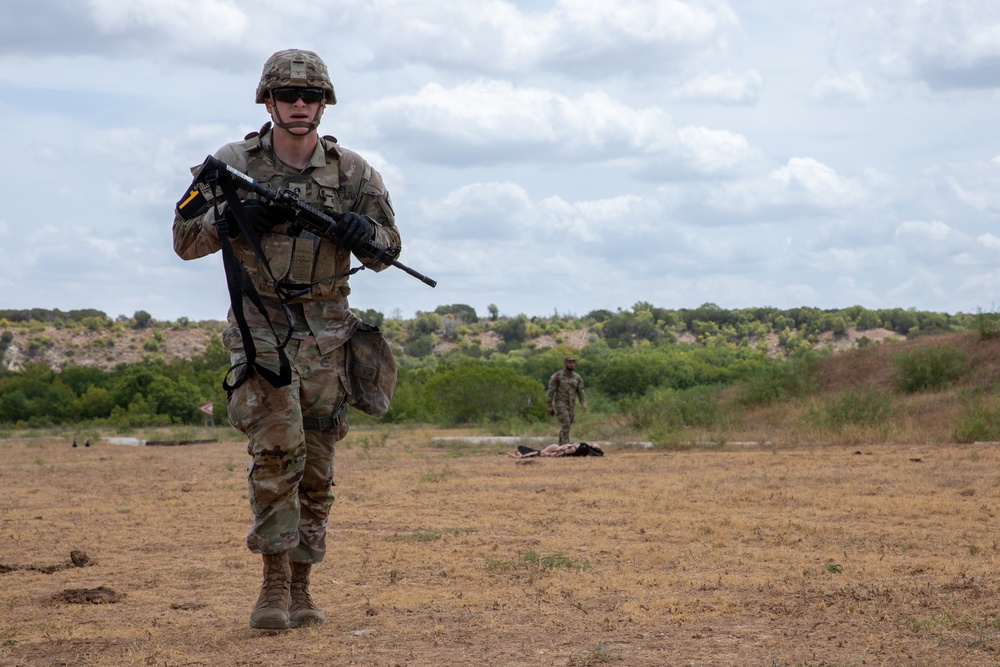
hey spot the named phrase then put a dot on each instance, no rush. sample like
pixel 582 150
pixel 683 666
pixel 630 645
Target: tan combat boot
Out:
pixel 271 610
pixel 302 610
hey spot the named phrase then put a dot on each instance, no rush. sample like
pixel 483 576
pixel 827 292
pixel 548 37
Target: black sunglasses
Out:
pixel 291 95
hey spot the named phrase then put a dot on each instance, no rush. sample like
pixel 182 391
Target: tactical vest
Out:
pixel 297 258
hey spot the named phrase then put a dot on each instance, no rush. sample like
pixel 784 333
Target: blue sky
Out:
pixel 543 156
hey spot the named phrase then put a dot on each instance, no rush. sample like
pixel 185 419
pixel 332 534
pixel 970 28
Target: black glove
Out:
pixel 353 231
pixel 263 217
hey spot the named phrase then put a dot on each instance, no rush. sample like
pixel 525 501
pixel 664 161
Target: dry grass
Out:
pixel 925 418
pixel 873 366
pixel 877 555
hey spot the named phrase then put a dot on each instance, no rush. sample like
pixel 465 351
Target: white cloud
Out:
pixel 941 43
pixel 486 122
pixel 583 37
pixel 504 212
pixel 847 89
pixel 181 22
pixel 921 284
pixel 977 185
pixel 804 183
pixel 989 241
pixel 722 88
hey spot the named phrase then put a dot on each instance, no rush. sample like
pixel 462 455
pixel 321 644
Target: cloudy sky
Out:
pixel 542 155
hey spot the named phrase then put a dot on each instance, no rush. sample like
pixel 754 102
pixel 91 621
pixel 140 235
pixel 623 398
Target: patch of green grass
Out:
pixel 534 563
pixel 595 654
pixel 983 626
pixel 430 535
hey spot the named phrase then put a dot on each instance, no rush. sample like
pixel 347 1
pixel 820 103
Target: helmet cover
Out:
pixel 295 68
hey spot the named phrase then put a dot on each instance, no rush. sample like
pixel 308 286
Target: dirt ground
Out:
pixel 451 553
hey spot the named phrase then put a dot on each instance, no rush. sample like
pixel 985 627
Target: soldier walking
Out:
pixel 292 426
pixel 565 387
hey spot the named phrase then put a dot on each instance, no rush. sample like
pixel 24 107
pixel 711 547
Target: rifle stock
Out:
pixel 309 217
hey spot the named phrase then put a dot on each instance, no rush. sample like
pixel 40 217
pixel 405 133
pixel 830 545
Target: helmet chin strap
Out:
pixel 297 124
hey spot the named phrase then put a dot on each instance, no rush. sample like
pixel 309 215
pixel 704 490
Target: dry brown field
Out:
pixel 447 553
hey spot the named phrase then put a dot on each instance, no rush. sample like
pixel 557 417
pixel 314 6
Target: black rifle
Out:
pixel 308 217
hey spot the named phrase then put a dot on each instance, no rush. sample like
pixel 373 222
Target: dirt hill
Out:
pixel 61 346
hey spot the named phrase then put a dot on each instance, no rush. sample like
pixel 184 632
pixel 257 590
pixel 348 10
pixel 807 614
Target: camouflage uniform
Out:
pixel 565 387
pixel 293 430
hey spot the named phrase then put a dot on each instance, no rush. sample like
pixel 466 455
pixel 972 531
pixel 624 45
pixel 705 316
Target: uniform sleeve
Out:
pixel 194 233
pixel 579 392
pixel 550 394
pixel 373 201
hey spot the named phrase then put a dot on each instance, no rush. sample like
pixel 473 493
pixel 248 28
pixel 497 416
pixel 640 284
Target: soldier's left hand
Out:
pixel 354 230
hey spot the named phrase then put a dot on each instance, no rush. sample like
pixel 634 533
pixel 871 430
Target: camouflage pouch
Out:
pixel 371 371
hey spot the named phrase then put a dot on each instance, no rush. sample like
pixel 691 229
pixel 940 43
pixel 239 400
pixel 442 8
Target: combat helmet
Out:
pixel 295 67
pixel 299 69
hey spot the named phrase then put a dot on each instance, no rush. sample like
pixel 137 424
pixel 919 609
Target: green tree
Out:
pixel 472 393
pixel 178 399
pixel 14 407
pixel 142 319
pixel 460 311
pixel 425 323
pixel 513 332
pixel 81 378
pixel 868 319
pixel 95 403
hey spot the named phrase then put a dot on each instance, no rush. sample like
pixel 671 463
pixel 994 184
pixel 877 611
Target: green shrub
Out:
pixel 472 393
pixel 779 381
pixel 988 324
pixel 673 410
pixel 979 421
pixel 928 369
pixel 859 408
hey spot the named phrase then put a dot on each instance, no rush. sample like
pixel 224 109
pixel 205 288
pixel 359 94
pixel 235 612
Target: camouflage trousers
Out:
pixel 565 414
pixel 290 476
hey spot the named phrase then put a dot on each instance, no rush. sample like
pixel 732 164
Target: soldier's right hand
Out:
pixel 263 217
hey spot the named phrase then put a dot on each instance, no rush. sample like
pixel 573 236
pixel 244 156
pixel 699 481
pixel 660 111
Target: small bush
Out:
pixel 858 408
pixel 779 382
pixel 988 324
pixel 672 410
pixel 929 369
pixel 979 421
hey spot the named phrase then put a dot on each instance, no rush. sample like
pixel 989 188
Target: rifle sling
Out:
pixel 240 285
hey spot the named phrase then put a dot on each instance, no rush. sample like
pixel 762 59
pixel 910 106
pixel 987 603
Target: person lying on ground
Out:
pixel 570 449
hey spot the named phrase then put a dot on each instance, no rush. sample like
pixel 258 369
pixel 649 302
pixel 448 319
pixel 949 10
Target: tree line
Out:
pixel 450 374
